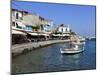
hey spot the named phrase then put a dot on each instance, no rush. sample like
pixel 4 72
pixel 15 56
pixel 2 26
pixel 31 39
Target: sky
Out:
pixel 81 18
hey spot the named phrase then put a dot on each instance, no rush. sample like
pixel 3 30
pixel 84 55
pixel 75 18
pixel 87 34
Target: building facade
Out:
pixel 61 32
pixel 30 21
pixel 48 26
pixel 31 26
pixel 63 29
pixel 22 20
pixel 17 18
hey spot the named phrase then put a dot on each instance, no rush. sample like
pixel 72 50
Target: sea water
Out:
pixel 49 59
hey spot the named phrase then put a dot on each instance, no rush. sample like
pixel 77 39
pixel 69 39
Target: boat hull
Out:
pixel 71 51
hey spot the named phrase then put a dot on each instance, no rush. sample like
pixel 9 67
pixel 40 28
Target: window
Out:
pixel 41 26
pixel 13 24
pixel 16 15
pixel 66 30
pixel 18 26
pixel 61 29
pixel 29 28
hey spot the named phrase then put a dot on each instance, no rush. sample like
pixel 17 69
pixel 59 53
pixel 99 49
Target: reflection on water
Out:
pixel 50 59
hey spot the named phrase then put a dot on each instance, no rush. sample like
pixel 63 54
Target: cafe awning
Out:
pixel 61 35
pixel 33 33
pixel 44 34
pixel 18 32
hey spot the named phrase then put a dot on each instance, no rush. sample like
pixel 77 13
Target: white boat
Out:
pixel 72 50
pixel 75 47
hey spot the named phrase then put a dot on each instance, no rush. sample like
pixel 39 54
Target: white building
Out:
pixel 48 27
pixel 61 32
pixel 17 17
pixel 24 22
pixel 63 29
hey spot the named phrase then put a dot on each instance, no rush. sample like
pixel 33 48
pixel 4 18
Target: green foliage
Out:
pixel 58 33
pixel 36 27
pixel 72 33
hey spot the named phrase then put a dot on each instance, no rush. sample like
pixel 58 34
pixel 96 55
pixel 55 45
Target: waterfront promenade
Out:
pixel 26 47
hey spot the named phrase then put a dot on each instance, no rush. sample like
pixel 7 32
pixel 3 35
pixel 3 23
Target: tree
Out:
pixel 36 27
pixel 58 33
pixel 72 33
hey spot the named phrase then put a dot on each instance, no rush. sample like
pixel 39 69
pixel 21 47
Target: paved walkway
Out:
pixel 20 48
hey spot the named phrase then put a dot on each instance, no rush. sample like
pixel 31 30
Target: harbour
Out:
pixel 47 39
pixel 49 59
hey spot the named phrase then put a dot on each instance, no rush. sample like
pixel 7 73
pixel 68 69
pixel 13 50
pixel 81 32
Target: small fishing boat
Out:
pixel 75 47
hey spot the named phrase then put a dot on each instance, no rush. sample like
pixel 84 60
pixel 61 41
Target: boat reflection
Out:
pixel 72 59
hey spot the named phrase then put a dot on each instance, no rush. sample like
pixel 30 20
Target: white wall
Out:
pixel 15 12
pixel 64 29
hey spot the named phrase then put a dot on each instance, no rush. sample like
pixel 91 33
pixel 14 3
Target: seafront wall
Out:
pixel 27 47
